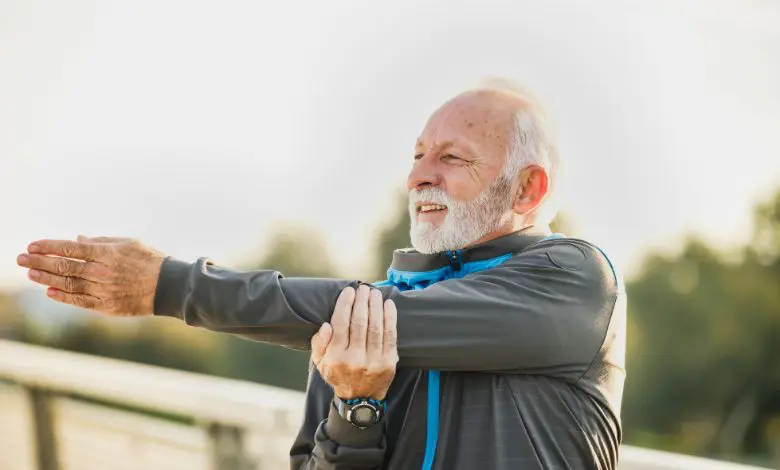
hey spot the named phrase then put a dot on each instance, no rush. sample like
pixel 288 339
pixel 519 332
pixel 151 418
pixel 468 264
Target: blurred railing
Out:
pixel 66 411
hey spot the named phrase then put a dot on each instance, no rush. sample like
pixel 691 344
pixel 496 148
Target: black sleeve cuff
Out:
pixel 172 288
pixel 345 434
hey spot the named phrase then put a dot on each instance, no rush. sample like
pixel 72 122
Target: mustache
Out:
pixel 434 195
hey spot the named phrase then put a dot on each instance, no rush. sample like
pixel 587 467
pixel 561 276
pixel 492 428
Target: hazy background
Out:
pixel 200 127
pixel 196 125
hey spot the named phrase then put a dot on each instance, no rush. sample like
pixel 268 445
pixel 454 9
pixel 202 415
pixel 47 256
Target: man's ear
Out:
pixel 522 193
pixel 532 189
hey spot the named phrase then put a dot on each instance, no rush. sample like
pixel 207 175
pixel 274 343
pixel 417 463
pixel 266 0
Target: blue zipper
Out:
pixel 432 427
pixel 432 432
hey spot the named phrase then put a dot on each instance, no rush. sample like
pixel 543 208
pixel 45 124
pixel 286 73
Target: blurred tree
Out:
pixel 11 320
pixel 562 223
pixel 294 251
pixel 703 369
pixel 394 235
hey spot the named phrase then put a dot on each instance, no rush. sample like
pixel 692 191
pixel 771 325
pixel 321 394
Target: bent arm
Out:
pixel 545 310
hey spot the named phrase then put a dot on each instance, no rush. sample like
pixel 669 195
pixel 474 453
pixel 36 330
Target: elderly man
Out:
pixel 508 340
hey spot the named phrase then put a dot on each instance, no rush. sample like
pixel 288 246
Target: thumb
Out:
pixel 320 341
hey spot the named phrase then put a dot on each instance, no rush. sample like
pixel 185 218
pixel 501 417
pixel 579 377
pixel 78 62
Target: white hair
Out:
pixel 531 142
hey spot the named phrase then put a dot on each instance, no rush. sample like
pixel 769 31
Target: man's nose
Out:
pixel 424 174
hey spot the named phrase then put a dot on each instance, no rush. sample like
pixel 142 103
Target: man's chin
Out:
pixel 425 242
pixel 426 249
pixel 433 241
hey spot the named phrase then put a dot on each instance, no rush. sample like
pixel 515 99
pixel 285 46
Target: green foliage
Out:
pixel 296 251
pixel 702 362
pixel 393 236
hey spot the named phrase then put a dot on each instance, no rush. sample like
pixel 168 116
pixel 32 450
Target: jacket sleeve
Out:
pixel 327 442
pixel 546 310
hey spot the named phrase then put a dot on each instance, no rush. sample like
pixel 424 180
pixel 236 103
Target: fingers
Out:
pixel 319 342
pixel 61 266
pixel 67 249
pixel 341 318
pixel 69 284
pixel 390 335
pixel 358 325
pixel 367 326
pixel 77 300
pixel 375 325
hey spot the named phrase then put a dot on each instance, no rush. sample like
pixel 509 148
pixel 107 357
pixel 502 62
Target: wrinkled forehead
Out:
pixel 480 122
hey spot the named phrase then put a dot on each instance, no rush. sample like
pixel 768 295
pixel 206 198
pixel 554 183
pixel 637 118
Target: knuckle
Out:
pixel 357 369
pixel 62 266
pixel 80 301
pixel 68 249
pixel 335 366
pixel 71 284
pixel 374 330
pixel 342 363
pixel 350 362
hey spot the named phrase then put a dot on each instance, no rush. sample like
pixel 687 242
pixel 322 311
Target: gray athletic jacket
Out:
pixel 511 354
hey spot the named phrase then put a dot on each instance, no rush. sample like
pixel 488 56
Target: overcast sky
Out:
pixel 196 126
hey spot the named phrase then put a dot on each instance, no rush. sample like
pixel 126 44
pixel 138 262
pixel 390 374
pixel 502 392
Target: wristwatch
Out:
pixel 361 412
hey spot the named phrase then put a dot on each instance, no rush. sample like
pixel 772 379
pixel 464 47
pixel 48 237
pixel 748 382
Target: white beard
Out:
pixel 466 222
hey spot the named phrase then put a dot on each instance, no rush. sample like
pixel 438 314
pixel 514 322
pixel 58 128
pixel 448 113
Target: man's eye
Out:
pixel 418 156
pixel 450 157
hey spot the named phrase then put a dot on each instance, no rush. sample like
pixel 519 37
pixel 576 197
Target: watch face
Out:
pixel 363 416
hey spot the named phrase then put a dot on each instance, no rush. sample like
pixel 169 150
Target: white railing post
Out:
pixel 227 448
pixel 43 422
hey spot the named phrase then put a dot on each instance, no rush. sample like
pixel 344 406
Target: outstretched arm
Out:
pixel 547 310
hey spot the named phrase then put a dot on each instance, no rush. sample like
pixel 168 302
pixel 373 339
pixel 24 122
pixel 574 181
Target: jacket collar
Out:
pixel 411 260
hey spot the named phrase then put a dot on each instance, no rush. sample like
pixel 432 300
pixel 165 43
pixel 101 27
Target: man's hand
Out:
pixel 117 276
pixel 356 354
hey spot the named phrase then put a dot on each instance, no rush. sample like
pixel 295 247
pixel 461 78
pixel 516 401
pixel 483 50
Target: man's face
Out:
pixel 457 192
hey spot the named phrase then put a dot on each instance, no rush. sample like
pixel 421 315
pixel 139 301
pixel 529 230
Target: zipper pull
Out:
pixel 455 260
